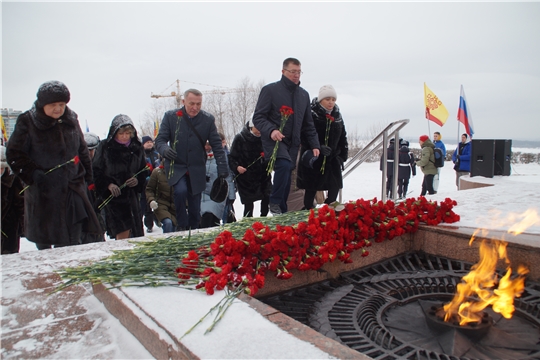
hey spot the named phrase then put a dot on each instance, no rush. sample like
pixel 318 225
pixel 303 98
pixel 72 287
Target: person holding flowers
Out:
pixel 247 162
pixel 181 140
pixel 283 113
pixel 48 152
pixel 120 172
pixel 325 173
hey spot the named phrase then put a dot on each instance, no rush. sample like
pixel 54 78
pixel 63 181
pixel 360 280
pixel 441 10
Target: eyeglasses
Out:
pixel 294 72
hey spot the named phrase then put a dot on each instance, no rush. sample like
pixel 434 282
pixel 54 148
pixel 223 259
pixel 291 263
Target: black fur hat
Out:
pixel 51 92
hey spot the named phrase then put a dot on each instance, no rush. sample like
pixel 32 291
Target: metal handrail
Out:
pixel 375 145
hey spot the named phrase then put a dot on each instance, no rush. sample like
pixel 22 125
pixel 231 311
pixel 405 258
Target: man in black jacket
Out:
pixel 267 118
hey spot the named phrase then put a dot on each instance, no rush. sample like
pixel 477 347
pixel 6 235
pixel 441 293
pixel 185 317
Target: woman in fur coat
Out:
pixel 247 163
pixel 312 178
pixel 56 204
pixel 118 158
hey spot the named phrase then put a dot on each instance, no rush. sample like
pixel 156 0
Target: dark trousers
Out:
pixel 389 183
pixel 309 197
pixel 248 207
pixel 427 185
pixel 167 225
pixel 403 187
pixel 190 216
pixel 281 183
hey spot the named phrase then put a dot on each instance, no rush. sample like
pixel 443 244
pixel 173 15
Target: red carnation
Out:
pixel 76 159
pixel 179 113
pixel 91 187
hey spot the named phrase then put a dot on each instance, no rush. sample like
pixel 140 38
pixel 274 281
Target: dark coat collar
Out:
pixel 44 122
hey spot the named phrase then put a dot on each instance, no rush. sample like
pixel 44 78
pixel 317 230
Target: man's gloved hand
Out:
pixel 326 150
pixel 131 182
pixel 38 176
pixel 223 175
pixel 153 205
pixel 170 154
pixel 114 189
pixel 457 156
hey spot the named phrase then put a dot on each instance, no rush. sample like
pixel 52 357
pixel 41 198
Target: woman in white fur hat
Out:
pixel 313 176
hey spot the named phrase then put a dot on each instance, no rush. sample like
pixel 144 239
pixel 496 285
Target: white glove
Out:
pixel 153 204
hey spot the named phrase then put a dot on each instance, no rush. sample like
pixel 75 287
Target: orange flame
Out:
pixel 481 287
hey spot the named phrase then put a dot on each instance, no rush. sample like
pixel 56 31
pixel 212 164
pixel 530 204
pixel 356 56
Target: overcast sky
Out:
pixel 113 56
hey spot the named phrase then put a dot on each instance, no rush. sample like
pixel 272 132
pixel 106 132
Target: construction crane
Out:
pixel 178 95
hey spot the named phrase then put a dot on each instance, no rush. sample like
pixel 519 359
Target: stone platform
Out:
pixel 148 322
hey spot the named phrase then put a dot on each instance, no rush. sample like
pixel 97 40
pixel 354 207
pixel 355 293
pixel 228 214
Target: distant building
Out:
pixel 10 118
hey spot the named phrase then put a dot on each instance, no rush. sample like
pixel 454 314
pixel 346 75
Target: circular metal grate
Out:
pixel 380 311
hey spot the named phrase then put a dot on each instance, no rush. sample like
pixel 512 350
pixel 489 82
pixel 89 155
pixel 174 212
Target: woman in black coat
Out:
pixel 312 178
pixel 117 160
pixel 246 160
pixel 56 205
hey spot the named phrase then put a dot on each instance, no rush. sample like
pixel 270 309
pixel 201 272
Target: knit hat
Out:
pixel 51 92
pixel 424 138
pixel 327 91
pixel 146 139
pixel 92 140
pixel 3 157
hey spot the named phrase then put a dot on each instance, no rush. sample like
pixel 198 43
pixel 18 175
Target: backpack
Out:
pixel 439 158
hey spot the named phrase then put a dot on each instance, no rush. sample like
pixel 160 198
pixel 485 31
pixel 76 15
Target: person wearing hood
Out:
pixel 437 141
pixel 324 174
pixel 267 118
pixel 118 158
pixel 153 158
pixel 48 152
pixel 462 158
pixel 427 164
pixel 92 141
pixel 12 207
pixel 248 165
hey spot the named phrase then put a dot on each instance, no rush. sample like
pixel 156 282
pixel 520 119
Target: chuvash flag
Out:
pixel 435 109
pixel 463 115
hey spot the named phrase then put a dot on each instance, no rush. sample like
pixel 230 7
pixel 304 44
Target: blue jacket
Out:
pixel 464 151
pixel 267 118
pixel 191 154
pixel 439 144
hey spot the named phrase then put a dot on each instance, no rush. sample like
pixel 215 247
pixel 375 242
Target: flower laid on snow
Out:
pixel 285 112
pixel 238 257
pixel 329 120
pixel 179 115
pixel 108 200
pixel 75 160
pixel 254 161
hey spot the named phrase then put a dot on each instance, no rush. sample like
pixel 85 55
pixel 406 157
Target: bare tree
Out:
pixel 158 107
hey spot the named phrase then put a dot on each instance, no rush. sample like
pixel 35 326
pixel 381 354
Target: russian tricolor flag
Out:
pixel 463 115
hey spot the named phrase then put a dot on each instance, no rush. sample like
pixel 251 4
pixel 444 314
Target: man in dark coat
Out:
pixel 389 167
pixel 56 205
pixel 407 166
pixel 267 118
pixel 182 145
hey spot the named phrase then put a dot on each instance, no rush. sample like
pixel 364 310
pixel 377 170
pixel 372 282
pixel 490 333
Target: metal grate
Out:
pixel 380 311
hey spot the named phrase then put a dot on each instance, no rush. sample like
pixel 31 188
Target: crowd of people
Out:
pixel 82 188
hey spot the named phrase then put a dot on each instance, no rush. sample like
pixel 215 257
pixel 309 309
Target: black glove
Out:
pixel 457 156
pixel 170 154
pixel 326 150
pixel 38 176
pixel 223 175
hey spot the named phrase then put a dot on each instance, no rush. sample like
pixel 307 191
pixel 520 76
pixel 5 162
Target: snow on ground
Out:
pixel 487 206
